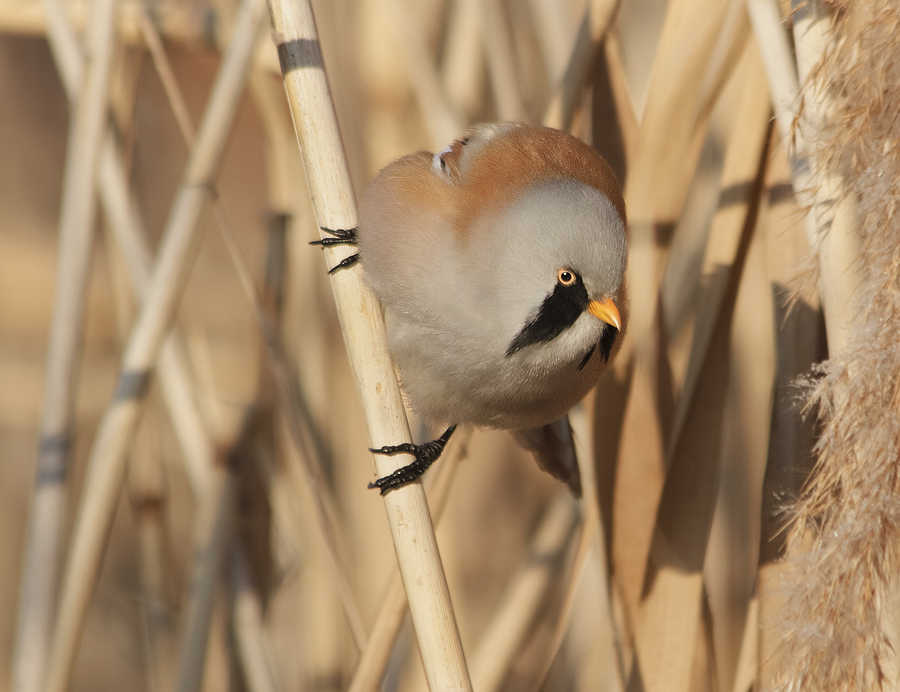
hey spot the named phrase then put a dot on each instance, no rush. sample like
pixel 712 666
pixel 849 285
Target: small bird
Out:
pixel 500 265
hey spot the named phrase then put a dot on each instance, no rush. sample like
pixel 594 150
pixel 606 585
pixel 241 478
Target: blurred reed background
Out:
pixel 238 548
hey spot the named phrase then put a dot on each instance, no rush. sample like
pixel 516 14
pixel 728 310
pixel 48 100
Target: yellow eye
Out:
pixel 565 277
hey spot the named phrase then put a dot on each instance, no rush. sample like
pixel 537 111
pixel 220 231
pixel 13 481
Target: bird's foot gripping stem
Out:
pixel 341 236
pixel 425 455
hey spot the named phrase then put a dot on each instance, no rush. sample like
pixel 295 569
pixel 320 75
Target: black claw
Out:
pixel 425 455
pixel 342 236
pixel 348 261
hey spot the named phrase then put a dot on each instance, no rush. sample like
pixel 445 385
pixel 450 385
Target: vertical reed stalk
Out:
pixel 328 177
pixel 837 240
pixel 76 226
pixel 831 227
pixel 554 24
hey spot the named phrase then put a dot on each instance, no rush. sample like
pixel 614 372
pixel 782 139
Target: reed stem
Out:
pixel 76 230
pixel 329 181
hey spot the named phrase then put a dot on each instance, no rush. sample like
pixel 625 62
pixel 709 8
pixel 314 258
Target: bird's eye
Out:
pixel 565 277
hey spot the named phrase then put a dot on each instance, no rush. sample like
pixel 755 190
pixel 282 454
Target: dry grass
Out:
pixel 220 535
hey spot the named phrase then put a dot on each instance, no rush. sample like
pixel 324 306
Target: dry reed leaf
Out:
pixel 667 631
pixel 320 373
pixel 441 121
pixel 313 457
pixel 747 672
pixel 248 627
pixel 598 16
pixel 586 538
pixel 462 70
pixel 307 404
pixel 511 623
pixel 303 436
pixel 555 26
pixel 498 49
pixel 799 340
pixel 654 193
pixel 730 568
pixel 616 120
pixel 590 649
pixel 212 535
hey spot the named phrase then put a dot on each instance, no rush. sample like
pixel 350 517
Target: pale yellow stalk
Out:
pixel 329 182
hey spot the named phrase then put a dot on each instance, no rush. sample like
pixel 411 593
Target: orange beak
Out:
pixel 607 311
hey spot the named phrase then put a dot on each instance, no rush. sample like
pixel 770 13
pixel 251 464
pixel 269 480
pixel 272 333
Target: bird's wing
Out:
pixel 554 449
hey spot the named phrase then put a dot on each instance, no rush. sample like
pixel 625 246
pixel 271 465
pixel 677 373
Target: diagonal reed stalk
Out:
pixel 374 658
pixel 407 510
pixel 106 466
pixel 77 218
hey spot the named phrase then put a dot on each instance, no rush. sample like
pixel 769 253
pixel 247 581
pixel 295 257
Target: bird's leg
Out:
pixel 425 455
pixel 342 236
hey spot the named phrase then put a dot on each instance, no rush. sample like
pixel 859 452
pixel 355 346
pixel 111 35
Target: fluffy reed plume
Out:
pixel 846 536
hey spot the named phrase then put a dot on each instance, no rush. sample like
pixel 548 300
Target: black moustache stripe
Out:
pixel 558 312
pixel 604 346
pixel 607 341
